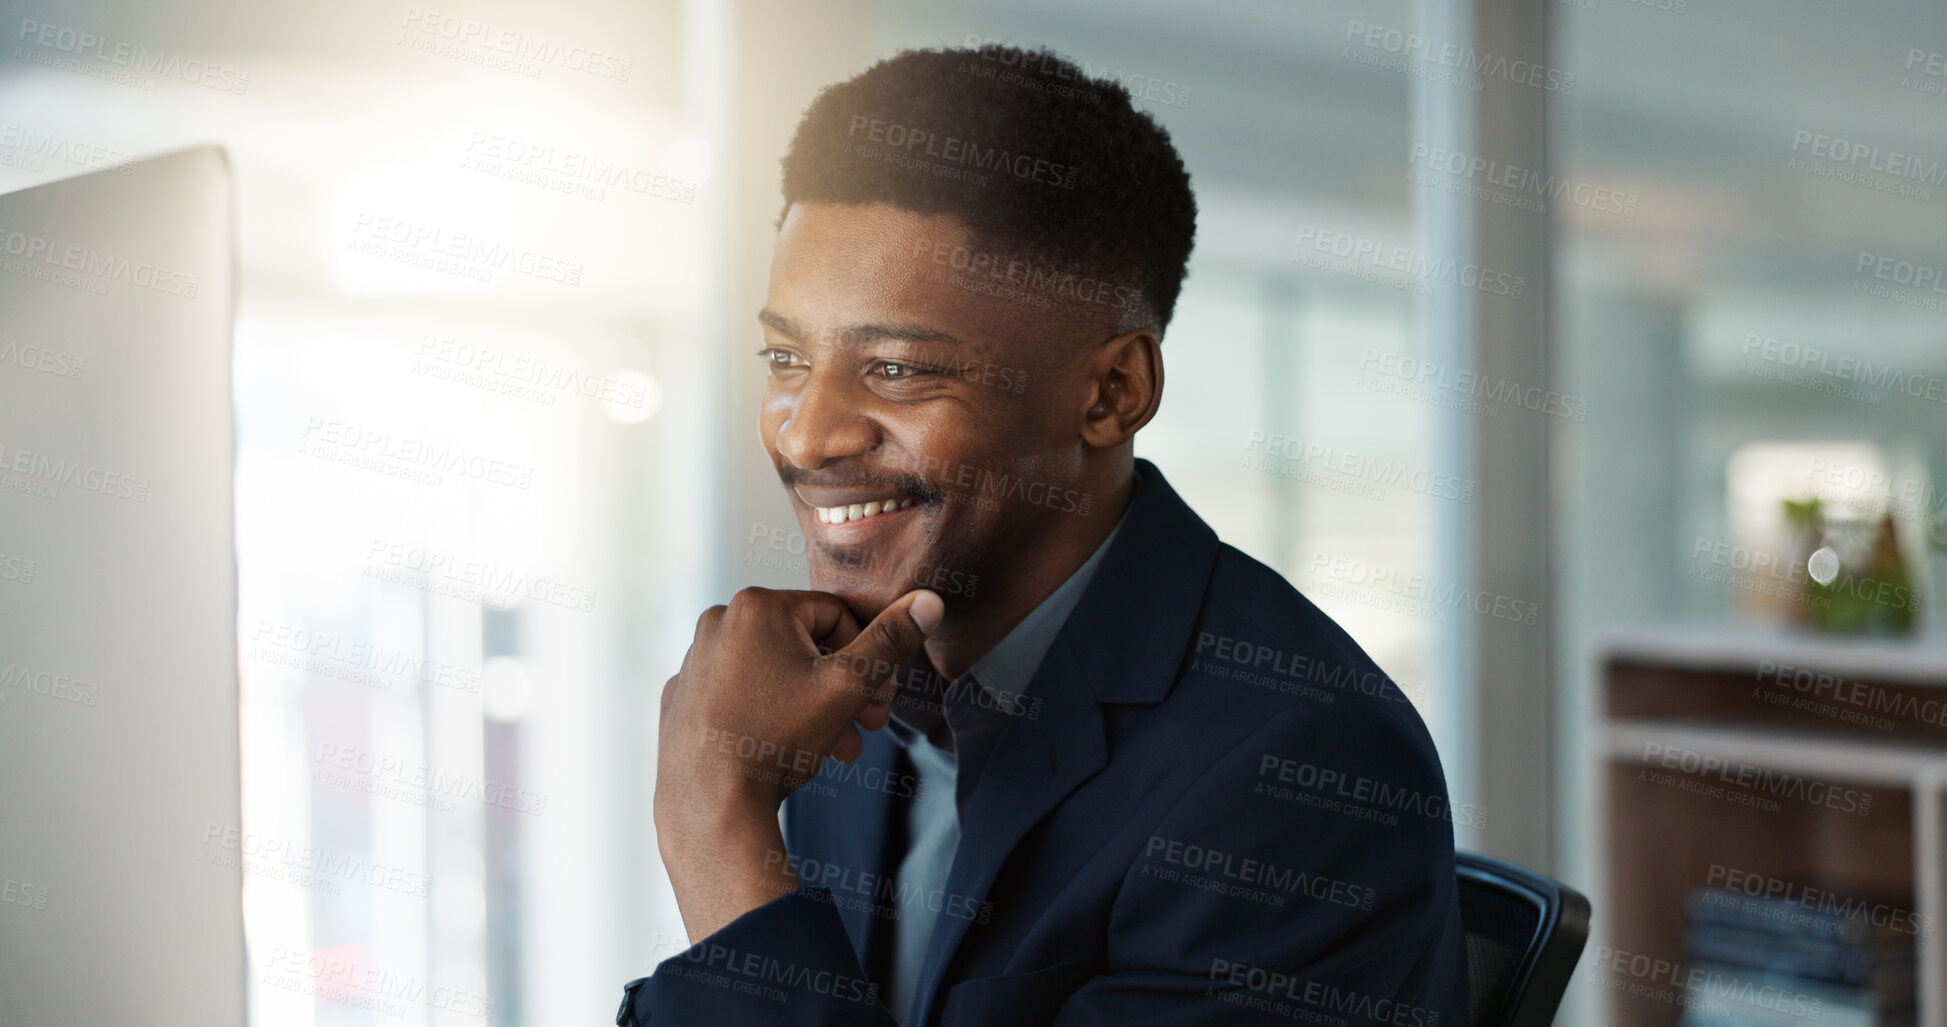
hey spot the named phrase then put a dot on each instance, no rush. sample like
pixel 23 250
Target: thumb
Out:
pixel 891 639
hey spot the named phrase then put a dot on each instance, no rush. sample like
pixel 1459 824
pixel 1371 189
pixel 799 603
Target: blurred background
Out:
pixel 1543 344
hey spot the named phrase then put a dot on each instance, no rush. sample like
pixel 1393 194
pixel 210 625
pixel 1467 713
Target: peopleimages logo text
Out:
pixel 956 150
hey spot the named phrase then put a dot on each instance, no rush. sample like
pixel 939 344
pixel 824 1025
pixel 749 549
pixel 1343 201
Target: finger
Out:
pixel 875 715
pixel 669 692
pixel 707 623
pixel 840 636
pixel 820 614
pixel 861 686
pixel 850 746
pixel 892 638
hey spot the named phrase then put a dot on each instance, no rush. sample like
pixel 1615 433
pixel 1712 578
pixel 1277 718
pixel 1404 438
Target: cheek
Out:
pixel 772 411
pixel 982 421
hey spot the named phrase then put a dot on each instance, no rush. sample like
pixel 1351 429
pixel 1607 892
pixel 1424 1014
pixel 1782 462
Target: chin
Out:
pixel 864 593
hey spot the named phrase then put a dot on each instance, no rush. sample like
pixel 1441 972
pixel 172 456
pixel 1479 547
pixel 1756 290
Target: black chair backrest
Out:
pixel 1524 934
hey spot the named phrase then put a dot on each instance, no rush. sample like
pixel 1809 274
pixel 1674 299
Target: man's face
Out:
pixel 890 380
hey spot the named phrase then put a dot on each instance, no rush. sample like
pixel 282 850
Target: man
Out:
pixel 1098 767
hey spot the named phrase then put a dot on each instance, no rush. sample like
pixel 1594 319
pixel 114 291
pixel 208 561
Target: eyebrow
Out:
pixel 857 334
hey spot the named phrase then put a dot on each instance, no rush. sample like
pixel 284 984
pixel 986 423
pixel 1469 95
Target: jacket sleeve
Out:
pixel 788 962
pixel 1308 877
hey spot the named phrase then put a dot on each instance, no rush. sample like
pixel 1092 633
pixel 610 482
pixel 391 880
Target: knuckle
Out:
pixel 893 636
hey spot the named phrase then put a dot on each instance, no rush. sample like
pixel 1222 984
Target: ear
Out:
pixel 1125 377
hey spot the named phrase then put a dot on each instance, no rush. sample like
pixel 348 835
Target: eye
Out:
pixel 896 370
pixel 778 359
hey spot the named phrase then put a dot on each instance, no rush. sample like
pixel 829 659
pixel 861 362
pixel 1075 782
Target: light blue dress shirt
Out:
pixel 948 730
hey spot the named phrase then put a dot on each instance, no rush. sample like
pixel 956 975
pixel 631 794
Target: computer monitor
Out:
pixel 120 885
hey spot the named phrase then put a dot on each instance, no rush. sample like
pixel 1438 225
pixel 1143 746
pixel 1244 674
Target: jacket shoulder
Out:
pixel 1262 649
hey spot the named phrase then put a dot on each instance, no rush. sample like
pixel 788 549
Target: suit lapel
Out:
pixel 851 829
pixel 1123 642
pixel 1034 765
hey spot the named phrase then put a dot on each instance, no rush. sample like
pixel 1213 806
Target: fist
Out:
pixel 775 683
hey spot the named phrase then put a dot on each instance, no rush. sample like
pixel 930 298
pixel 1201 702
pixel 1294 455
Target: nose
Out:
pixel 826 421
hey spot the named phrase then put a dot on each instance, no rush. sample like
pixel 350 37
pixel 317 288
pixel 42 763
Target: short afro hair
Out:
pixel 1041 162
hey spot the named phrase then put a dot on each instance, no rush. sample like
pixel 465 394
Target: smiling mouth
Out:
pixel 859 511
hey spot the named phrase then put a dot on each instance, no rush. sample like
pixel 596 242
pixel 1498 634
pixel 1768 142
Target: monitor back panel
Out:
pixel 120 876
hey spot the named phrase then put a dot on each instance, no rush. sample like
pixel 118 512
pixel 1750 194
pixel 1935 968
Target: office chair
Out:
pixel 1524 934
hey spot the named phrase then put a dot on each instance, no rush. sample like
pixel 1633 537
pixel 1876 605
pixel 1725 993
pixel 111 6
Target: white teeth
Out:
pixel 859 511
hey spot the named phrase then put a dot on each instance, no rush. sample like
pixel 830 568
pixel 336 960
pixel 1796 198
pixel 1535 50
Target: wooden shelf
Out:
pixel 1712 692
pixel 1798 752
pixel 1733 646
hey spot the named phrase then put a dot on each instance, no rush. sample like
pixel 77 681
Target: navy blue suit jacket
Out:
pixel 1210 807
